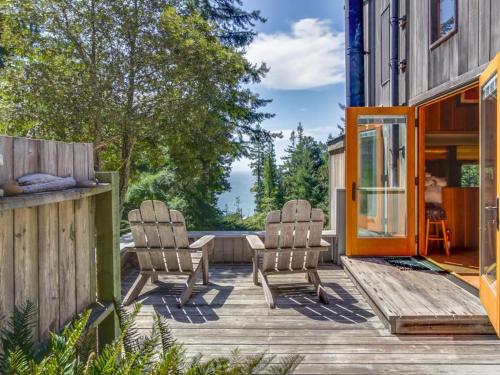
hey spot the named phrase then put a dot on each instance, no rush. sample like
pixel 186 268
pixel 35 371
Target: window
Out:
pixel 384 50
pixel 469 175
pixel 443 20
pixel 368 168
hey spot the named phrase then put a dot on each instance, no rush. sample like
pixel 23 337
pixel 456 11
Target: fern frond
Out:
pixel 63 349
pixel 165 333
pixel 18 335
pixel 130 334
pixel 172 362
pixel 17 363
pixel 107 361
pixel 144 357
pixel 255 364
pixel 286 365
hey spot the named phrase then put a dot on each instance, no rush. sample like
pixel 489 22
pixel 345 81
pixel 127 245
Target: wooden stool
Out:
pixel 438 224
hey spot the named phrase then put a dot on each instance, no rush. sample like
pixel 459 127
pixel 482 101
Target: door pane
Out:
pixel 381 188
pixel 489 179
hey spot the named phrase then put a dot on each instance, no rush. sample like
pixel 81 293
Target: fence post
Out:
pixel 107 224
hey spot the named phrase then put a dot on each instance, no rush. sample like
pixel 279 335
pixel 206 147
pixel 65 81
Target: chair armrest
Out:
pixel 255 242
pixel 205 242
pixel 324 243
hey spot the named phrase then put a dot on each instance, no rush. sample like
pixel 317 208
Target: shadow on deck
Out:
pixel 343 337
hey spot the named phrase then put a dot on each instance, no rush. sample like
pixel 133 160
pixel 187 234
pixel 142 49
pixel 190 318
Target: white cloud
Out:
pixel 311 55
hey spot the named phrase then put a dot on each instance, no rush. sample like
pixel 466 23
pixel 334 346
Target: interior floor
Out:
pixel 462 262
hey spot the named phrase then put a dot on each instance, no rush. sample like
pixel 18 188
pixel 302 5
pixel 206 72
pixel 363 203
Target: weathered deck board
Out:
pixel 410 302
pixel 345 337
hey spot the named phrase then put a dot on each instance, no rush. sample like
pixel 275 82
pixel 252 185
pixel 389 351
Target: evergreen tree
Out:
pixel 270 181
pixel 305 170
pixel 153 86
pixel 256 152
pixel 236 25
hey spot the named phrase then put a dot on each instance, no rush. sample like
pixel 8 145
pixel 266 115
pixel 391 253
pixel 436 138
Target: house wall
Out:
pixel 431 72
pixel 337 180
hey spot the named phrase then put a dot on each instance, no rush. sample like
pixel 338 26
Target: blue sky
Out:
pixel 303 43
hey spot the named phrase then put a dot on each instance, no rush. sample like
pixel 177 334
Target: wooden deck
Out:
pixel 417 302
pixel 344 337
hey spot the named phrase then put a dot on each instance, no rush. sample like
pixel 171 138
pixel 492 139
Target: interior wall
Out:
pixel 451 140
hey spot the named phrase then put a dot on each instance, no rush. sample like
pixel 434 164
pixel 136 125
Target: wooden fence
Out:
pixel 58 249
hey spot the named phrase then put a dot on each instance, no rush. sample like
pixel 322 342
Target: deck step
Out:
pixel 417 302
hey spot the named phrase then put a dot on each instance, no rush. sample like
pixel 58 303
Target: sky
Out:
pixel 303 44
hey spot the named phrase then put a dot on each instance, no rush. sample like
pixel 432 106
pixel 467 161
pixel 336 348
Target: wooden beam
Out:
pixel 39 199
pixel 98 313
pixel 107 223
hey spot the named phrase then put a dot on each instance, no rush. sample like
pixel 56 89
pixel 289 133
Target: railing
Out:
pixel 59 249
pixel 231 246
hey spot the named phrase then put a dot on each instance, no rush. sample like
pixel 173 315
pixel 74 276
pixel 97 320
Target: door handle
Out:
pixel 496 209
pixel 353 191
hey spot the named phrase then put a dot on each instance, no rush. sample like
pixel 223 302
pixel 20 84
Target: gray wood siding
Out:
pixel 476 42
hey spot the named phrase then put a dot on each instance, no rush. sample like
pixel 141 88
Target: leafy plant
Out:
pixel 130 353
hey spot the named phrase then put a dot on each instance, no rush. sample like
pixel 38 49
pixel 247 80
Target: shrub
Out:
pixel 69 352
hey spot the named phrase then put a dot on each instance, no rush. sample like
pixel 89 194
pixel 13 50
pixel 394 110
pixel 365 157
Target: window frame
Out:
pixel 382 81
pixel 443 38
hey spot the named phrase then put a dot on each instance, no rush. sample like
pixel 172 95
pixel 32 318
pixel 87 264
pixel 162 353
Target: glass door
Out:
pixel 380 181
pixel 489 194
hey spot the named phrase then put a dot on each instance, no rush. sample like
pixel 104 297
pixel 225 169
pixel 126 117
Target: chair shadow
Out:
pixel 343 307
pixel 207 299
pixel 163 297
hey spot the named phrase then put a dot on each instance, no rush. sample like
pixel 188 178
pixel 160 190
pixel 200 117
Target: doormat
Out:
pixel 412 264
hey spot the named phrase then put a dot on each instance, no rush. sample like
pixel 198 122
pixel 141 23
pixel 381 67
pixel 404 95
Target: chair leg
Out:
pixel 426 244
pixel 268 294
pixel 204 261
pixel 446 247
pixel 308 278
pixel 154 278
pixel 255 262
pixel 320 289
pixel 136 288
pixel 191 281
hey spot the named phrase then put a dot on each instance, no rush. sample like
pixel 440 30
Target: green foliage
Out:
pixel 130 76
pixel 469 175
pixel 157 354
pixel 305 171
pixel 17 338
pixel 303 175
pixel 263 164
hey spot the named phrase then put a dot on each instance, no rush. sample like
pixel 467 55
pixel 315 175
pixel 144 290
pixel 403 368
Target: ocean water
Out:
pixel 241 183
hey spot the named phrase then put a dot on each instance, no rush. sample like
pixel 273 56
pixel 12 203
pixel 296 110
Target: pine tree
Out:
pixel 256 151
pixel 270 181
pixel 236 24
pixel 304 169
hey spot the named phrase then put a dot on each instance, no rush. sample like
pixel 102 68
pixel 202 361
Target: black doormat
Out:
pixel 412 264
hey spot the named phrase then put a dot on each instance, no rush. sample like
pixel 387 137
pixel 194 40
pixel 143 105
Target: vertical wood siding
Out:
pixel 476 42
pixel 47 252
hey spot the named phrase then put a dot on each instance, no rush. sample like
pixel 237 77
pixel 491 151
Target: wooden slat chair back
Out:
pixel 292 244
pixel 162 247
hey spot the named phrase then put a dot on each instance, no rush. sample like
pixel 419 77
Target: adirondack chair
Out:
pixel 162 247
pixel 292 245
